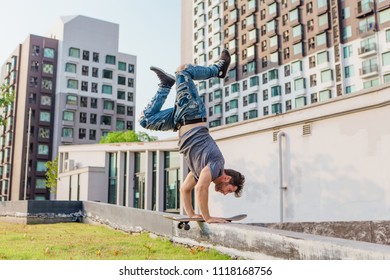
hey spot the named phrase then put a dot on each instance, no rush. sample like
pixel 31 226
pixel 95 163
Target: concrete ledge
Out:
pixel 37 212
pixel 247 241
pixel 126 218
pixel 258 242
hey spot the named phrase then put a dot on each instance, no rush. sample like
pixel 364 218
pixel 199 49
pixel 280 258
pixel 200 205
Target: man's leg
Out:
pixel 219 69
pixel 189 106
pixel 152 117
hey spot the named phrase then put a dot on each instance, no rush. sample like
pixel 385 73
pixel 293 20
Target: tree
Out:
pixel 52 175
pixel 127 136
pixel 6 98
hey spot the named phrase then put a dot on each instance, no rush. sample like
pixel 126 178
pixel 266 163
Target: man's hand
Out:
pixel 216 220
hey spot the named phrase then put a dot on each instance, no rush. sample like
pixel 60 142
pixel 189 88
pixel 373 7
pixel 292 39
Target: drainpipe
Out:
pixel 281 173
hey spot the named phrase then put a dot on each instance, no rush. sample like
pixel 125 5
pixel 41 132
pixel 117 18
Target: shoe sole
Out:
pixel 156 69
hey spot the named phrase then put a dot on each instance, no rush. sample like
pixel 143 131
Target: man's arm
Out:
pixel 185 194
pixel 202 196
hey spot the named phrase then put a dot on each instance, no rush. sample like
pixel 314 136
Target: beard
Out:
pixel 219 186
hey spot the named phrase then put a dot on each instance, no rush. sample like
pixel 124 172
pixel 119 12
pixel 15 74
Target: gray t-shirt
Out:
pixel 199 150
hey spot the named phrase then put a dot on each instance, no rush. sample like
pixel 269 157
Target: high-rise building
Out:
pixel 71 87
pixel 287 54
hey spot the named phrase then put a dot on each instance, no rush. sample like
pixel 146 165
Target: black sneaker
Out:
pixel 166 80
pixel 223 63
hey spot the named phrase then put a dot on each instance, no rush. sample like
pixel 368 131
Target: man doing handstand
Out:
pixel 188 116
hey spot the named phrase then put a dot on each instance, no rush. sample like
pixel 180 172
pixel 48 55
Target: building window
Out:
pixel 276 91
pixel 277 108
pixel 349 71
pixel 121 80
pixel 321 39
pixel 73 84
pixel 35 50
pixel 48 68
pixel 48 52
pixel 386 58
pixel 92 118
pixel 70 67
pixel 107 74
pixel 71 100
pixel 120 109
pixel 231 119
pixel 120 125
pixel 121 95
pixel 94 103
pixel 121 66
pixel 94 87
pixel 40 183
pixel 68 116
pixel 41 166
pixel 43 149
pixel 95 57
pixel 44 133
pixel 347 51
pixel 47 84
pixel 299 84
pixel 325 95
pixel 45 100
pixel 44 116
pixel 84 86
pixel 82 133
pixel 322 57
pixel 386 78
pixel 108 105
pixel 371 83
pixel 85 70
pixel 300 102
pixel 74 52
pixel 347 32
pixel 85 55
pixel 296 66
pixel 110 59
pixel 83 117
pixel 92 134
pixel 84 101
pixel 67 132
pixel 95 72
pixel 105 120
pixel 106 89
pixel 130 82
pixel 384 16
pixel 297 48
pixel 349 89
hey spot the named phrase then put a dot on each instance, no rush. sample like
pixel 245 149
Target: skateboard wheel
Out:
pixel 187 227
pixel 180 225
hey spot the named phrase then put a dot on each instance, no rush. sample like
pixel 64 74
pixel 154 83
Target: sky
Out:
pixel 148 29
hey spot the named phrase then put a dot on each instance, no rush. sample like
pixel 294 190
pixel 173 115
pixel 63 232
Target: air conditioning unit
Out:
pixel 68 165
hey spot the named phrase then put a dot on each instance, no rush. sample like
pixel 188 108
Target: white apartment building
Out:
pixel 95 82
pixel 287 54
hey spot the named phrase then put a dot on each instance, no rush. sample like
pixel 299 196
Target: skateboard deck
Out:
pixel 184 221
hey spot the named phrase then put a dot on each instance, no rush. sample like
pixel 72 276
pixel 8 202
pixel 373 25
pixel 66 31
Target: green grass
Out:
pixel 77 241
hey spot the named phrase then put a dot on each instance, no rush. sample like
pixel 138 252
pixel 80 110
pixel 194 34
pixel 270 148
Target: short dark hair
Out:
pixel 237 180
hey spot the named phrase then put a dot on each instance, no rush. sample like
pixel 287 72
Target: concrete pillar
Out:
pixel 160 195
pixel 120 178
pixel 130 179
pixel 148 180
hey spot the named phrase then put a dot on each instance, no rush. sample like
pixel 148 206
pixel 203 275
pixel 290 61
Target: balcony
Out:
pixel 367 29
pixel 364 9
pixel 369 71
pixel 367 50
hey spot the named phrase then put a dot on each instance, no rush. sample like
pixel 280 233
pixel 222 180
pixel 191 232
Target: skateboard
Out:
pixel 184 221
